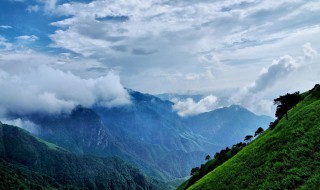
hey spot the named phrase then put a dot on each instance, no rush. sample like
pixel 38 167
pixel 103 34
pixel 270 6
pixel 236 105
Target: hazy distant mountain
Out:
pixel 228 125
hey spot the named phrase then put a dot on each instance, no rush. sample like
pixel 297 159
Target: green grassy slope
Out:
pixel 27 162
pixel 287 157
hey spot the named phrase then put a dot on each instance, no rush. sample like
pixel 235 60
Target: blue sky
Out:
pixel 249 51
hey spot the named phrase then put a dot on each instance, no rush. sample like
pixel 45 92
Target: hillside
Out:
pixel 30 163
pixel 286 157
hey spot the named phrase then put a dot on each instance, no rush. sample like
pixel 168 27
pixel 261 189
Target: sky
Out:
pixel 61 53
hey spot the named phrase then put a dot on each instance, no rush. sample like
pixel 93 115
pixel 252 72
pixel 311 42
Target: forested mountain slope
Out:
pixel 30 163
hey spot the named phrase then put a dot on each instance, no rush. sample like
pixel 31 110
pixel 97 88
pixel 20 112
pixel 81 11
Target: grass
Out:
pixel 287 157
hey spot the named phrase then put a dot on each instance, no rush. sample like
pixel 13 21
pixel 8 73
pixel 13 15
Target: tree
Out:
pixel 285 103
pixel 217 155
pixel 194 170
pixel 248 138
pixel 272 125
pixel 258 131
pixel 207 157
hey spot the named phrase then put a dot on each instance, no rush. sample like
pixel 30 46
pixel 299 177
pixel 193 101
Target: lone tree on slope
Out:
pixel 248 138
pixel 285 103
pixel 258 131
pixel 207 157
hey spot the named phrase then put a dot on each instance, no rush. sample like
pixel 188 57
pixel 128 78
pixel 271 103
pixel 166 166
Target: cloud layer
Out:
pixel 189 107
pixel 174 42
pixel 24 124
pixel 48 90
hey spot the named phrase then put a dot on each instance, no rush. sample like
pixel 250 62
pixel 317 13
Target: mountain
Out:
pixel 153 132
pixel 147 133
pixel 27 162
pixel 82 132
pixel 228 125
pixel 285 157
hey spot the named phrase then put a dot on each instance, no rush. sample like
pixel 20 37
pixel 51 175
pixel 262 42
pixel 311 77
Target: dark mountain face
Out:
pixel 228 125
pixel 153 132
pixel 30 163
pixel 148 133
pixel 81 132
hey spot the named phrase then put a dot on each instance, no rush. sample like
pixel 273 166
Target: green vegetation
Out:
pixel 286 157
pixel 29 163
pixel 219 158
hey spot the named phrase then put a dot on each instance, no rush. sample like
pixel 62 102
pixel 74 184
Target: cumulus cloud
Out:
pixel 189 107
pixel 187 34
pixel 249 96
pixel 279 69
pixel 48 90
pixel 279 77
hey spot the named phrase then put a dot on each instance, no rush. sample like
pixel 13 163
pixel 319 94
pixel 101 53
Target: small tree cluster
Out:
pixel 207 157
pixel 248 138
pixel 273 124
pixel 219 158
pixel 258 131
pixel 194 170
pixel 285 103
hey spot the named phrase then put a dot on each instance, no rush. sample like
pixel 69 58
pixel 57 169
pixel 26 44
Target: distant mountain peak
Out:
pixel 237 108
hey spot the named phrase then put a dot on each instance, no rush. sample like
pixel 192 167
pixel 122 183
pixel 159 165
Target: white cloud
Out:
pixel 33 8
pixel 4 44
pixel 44 89
pixel 282 76
pixel 27 38
pixel 184 37
pixel 24 124
pixel 276 71
pixel 5 27
pixel 189 107
pixel 251 97
pixel 191 46
pixel 309 52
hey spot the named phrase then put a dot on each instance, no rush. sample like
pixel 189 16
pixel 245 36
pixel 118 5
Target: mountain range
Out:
pixel 147 133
